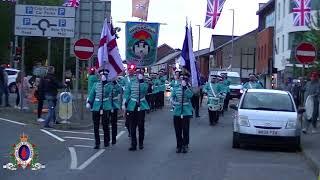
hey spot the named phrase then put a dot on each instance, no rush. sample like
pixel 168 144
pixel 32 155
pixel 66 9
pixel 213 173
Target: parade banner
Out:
pixel 141 43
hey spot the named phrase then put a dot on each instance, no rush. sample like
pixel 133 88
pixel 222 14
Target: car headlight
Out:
pixel 243 121
pixel 241 91
pixel 291 124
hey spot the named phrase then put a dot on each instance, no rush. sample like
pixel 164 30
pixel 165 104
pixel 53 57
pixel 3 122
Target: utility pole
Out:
pixel 232 44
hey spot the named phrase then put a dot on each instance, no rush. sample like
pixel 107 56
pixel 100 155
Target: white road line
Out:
pixel 14 122
pixel 74 159
pixel 52 135
pixel 80 138
pixel 120 134
pixel 83 146
pixel 85 164
pixel 73 132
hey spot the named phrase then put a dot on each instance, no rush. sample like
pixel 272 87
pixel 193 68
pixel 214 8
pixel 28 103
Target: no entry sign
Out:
pixel 83 49
pixel 306 53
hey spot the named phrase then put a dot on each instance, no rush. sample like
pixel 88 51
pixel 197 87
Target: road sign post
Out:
pixel 305 53
pixel 83 49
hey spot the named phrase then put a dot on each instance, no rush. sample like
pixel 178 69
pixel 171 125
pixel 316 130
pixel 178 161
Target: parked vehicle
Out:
pixel 266 117
pixel 12 76
pixel 235 82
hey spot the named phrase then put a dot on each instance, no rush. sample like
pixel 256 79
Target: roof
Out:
pixel 163 51
pixel 235 39
pixel 202 52
pixel 168 57
pixel 219 40
pixel 268 91
pixel 266 6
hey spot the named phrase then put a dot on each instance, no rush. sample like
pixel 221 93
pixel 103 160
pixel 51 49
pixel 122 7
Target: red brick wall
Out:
pixel 264 49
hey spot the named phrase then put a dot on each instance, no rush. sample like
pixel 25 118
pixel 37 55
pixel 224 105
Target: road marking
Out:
pixel 85 164
pixel 14 122
pixel 74 159
pixel 52 135
pixel 120 134
pixel 80 138
pixel 83 146
pixel 73 132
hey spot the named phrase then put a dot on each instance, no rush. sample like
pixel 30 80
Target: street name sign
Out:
pixel 44 21
pixel 84 49
pixel 306 53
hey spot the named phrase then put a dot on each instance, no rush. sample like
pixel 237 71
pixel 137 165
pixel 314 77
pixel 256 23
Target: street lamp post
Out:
pixel 232 44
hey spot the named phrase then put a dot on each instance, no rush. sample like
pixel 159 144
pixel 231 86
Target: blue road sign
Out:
pixel 26 21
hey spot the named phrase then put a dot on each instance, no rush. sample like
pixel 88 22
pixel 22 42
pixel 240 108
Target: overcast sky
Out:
pixel 174 13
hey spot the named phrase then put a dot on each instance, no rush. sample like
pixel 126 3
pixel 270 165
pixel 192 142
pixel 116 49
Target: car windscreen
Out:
pixel 9 72
pixel 234 80
pixel 267 101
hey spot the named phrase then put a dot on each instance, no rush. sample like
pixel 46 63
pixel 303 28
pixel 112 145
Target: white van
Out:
pixel 235 82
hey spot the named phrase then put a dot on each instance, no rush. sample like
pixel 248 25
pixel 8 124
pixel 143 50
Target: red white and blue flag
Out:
pixel 301 10
pixel 71 3
pixel 108 53
pixel 214 9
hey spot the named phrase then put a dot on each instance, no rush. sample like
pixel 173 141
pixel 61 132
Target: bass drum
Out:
pixel 309 107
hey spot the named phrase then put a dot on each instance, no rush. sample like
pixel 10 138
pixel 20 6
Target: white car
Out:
pixel 266 117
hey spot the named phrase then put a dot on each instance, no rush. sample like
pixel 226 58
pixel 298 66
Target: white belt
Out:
pixel 178 103
pixel 134 99
pixel 213 98
pixel 104 99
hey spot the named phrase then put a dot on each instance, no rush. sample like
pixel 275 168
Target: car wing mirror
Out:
pixel 301 110
pixel 234 107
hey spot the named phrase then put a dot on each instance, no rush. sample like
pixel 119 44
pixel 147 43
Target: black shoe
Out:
pixel 132 148
pixel 178 150
pixel 8 105
pixel 106 145
pixel 114 142
pixel 184 150
pixel 96 147
pixel 141 147
pixel 48 126
pixel 198 116
pixel 57 122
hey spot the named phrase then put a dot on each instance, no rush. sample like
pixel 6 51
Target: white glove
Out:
pixel 123 107
pixel 88 105
pixel 103 78
pixel 140 76
pixel 183 83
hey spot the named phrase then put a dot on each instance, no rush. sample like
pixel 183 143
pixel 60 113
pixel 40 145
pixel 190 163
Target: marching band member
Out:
pixel 113 107
pixel 226 83
pixel 213 90
pixel 97 103
pixel 252 84
pixel 134 97
pixel 162 87
pixel 175 82
pixel 181 96
pixel 156 90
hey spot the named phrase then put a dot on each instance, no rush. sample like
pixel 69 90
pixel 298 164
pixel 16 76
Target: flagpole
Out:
pixel 232 44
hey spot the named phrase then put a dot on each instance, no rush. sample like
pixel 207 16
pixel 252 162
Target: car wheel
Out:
pixel 235 140
pixel 13 88
pixel 297 144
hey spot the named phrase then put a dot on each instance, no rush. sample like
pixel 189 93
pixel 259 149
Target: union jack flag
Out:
pixel 71 3
pixel 301 12
pixel 214 9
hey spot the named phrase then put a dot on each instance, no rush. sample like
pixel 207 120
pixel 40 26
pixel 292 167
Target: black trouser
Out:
pixel 213 117
pixel 137 119
pixel 105 125
pixel 315 113
pixel 226 102
pixel 161 96
pixel 40 107
pixel 195 104
pixel 157 100
pixel 148 98
pixel 153 101
pixel 181 127
pixel 127 123
pixel 201 97
pixel 18 97
pixel 114 124
pixel 6 95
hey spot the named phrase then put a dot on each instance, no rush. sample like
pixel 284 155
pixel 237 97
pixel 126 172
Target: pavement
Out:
pixel 68 154
pixel 311 151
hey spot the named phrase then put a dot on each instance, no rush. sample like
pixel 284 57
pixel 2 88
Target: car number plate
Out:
pixel 268 132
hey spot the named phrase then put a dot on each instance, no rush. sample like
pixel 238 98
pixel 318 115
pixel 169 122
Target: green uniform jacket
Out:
pixel 217 90
pixel 131 95
pixel 223 87
pixel 91 80
pixel 184 109
pixel 227 83
pixel 174 83
pixel 252 85
pixel 114 96
pixel 95 97
pixel 162 83
pixel 156 85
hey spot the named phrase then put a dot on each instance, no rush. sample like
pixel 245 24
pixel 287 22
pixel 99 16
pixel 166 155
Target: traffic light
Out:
pixel 272 82
pixel 132 67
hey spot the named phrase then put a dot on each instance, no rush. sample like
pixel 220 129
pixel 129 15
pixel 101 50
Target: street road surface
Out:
pixel 69 155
